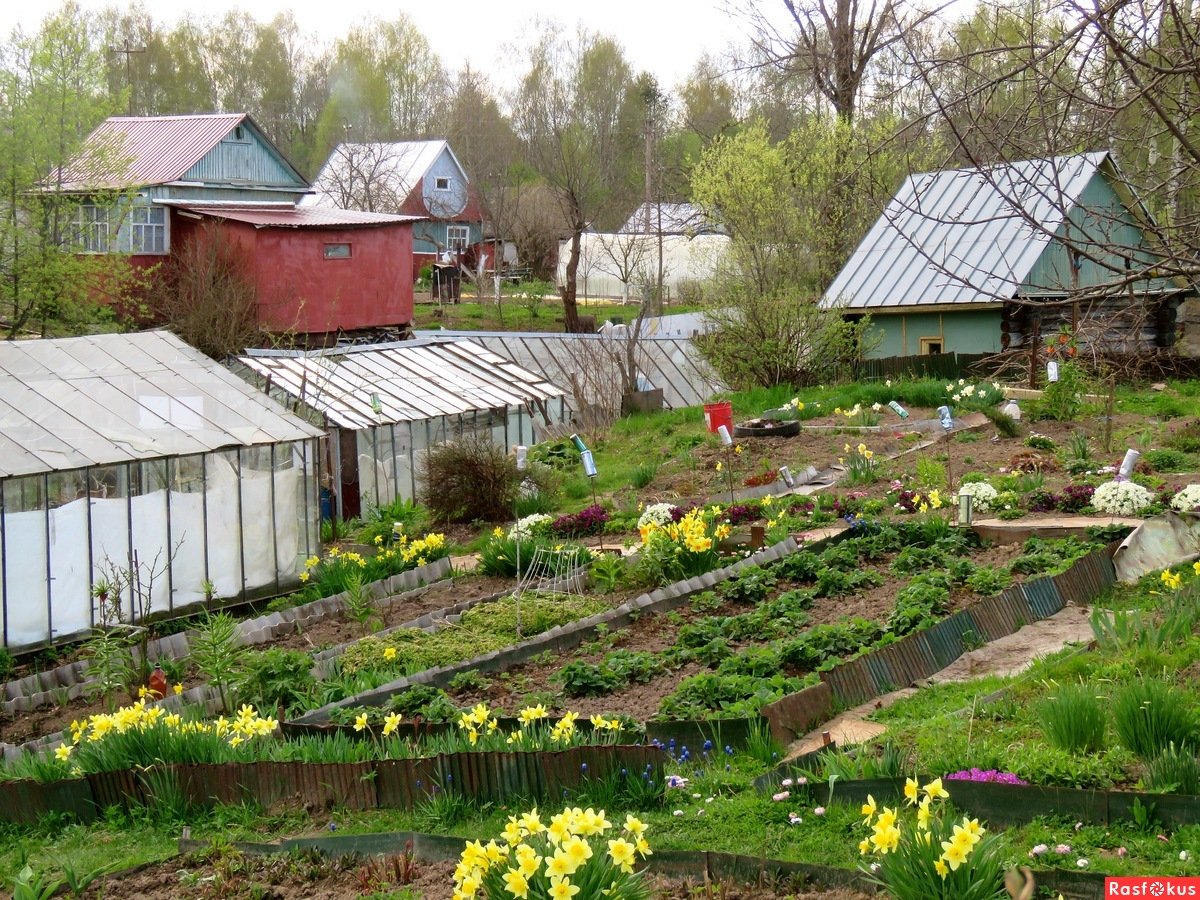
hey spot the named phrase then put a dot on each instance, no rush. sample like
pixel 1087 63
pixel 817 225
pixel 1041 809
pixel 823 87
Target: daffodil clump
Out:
pixel 141 735
pixel 570 856
pixel 682 549
pixel 479 728
pixel 933 856
pixel 859 415
pixel 860 464
pixel 331 574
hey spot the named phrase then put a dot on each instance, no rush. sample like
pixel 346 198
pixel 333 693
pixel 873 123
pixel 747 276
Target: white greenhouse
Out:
pixel 136 453
pixel 385 404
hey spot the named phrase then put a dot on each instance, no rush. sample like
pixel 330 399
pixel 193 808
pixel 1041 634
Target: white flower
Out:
pixel 678 812
pixel 982 494
pixel 1082 863
pixel 876 407
pixel 657 514
pixel 888 383
pixel 1121 498
pixel 1187 499
pixel 1184 856
pixel 787 782
pixel 819 811
pixel 538 523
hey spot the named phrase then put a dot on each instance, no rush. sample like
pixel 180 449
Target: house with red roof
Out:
pixel 178 180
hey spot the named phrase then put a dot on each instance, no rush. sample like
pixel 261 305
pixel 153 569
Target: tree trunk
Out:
pixel 567 291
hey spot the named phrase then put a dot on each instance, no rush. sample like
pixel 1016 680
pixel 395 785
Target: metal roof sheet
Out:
pixel 397 166
pixel 414 380
pixel 962 236
pixel 112 398
pixel 670 363
pixel 297 216
pixel 131 151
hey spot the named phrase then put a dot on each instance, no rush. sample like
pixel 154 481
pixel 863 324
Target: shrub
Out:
pixel 1186 439
pixel 1121 498
pixel 1063 400
pixel 1073 718
pixel 1037 441
pixel 1150 715
pixel 468 479
pixel 1044 501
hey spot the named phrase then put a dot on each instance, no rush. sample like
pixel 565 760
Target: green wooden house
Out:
pixel 985 260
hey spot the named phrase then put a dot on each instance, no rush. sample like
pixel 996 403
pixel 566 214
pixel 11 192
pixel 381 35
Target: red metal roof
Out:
pixel 296 217
pixel 143 150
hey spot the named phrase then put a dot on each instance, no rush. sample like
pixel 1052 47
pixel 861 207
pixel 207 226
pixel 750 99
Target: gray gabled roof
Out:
pixel 114 398
pixel 963 236
pixel 410 380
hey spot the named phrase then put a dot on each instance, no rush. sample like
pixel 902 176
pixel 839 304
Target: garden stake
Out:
pixel 522 456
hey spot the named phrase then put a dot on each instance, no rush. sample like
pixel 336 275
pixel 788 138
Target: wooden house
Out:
pixel 984 260
pixel 146 184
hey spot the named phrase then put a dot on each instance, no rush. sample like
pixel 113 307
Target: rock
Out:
pixel 1158 386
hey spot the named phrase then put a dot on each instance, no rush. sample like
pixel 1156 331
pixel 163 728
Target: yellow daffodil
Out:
pixel 911 790
pixel 389 653
pixel 360 722
pixel 868 810
pixel 935 790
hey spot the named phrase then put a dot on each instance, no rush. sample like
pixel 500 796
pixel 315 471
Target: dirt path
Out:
pixel 1005 657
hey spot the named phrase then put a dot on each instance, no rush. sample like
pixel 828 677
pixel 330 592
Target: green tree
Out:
pixel 52 93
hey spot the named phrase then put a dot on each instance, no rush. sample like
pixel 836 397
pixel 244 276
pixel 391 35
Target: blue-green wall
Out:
pixel 1102 225
pixel 961 331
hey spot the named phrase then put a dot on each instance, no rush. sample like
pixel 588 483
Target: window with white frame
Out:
pixel 148 229
pixel 457 237
pixel 441 183
pixel 90 228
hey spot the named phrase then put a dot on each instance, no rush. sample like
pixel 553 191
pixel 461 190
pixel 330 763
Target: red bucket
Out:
pixel 718 414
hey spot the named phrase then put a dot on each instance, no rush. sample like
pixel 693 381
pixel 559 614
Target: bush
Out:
pixel 1074 719
pixel 1121 498
pixel 470 479
pixel 1063 400
pixel 1150 715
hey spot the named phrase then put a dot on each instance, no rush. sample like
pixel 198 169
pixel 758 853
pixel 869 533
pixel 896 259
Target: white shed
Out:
pixel 139 452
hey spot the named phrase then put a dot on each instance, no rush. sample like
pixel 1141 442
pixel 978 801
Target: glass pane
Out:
pixel 25 583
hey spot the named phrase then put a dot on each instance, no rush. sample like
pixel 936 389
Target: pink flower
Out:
pixel 782 795
pixel 1039 850
pixel 1062 849
pixel 794 819
pixel 1122 852
pixel 819 811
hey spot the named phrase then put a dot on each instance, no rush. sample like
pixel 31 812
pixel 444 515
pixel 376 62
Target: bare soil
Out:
pixel 233 876
pixel 656 632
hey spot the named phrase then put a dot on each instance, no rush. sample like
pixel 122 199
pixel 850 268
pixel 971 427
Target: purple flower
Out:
pixel 992 775
pixel 587 521
pixel 1075 497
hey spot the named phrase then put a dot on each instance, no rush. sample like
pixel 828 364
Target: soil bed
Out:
pixel 656 633
pixel 233 876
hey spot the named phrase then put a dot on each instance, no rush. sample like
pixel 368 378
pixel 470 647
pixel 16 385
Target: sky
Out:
pixel 665 37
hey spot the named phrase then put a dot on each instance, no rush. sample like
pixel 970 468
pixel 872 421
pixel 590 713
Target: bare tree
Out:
pixel 578 113
pixel 367 177
pixel 624 255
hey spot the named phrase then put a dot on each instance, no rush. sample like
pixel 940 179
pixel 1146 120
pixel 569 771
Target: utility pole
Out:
pixel 128 52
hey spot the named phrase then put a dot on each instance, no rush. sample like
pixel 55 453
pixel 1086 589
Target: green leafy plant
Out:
pixel 608 571
pixel 1063 400
pixel 1073 718
pixel 275 678
pixel 359 599
pixel 111 668
pixel 31 885
pixel 215 654
pixel 471 681
pixel 1168 461
pixel 644 475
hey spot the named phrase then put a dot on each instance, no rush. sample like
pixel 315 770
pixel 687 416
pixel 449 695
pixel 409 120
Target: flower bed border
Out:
pixel 494 775
pixel 922 654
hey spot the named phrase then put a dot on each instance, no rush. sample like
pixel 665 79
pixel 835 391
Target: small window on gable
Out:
pixel 239 133
pixel 441 183
pixel 337 251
